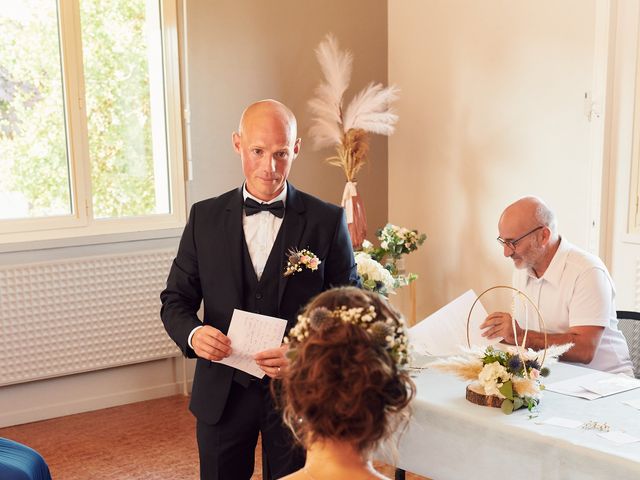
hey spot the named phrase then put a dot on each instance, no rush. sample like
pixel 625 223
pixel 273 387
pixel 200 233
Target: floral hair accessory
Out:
pixel 389 333
pixel 299 259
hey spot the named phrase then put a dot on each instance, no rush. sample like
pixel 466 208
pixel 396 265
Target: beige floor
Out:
pixel 123 443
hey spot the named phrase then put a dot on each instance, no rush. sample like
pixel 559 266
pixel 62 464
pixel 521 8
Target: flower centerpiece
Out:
pixel 509 378
pixel 347 129
pixel 395 242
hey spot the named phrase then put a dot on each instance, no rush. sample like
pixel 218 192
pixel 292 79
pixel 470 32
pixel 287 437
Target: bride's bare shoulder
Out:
pixel 299 475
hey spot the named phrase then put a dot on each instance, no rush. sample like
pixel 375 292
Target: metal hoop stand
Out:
pixel 472 394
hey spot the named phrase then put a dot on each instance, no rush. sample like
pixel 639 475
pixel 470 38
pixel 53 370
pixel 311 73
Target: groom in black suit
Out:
pixel 233 254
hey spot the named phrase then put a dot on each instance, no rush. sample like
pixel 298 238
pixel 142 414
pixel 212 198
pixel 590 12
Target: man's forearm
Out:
pixel 582 351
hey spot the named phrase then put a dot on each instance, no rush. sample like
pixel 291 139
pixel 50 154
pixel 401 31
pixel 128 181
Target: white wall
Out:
pixel 622 248
pixel 492 109
pixel 241 51
pixel 32 401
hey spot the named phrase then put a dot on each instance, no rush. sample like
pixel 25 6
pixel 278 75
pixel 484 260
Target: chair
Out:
pixel 19 462
pixel 629 325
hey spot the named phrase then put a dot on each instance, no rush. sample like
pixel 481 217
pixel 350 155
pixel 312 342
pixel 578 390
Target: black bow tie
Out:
pixel 251 207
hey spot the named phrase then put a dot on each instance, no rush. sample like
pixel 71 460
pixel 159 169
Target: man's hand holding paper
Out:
pixel 256 341
pixel 211 344
pixel 500 325
pixel 273 361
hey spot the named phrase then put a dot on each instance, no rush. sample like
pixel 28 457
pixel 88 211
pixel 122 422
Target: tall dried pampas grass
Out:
pixel 347 129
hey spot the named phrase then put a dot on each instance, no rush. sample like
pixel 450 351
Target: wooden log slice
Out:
pixel 475 394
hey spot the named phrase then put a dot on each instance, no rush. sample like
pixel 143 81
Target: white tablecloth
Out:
pixel 450 438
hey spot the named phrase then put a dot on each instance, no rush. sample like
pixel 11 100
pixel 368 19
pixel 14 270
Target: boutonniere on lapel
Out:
pixel 298 259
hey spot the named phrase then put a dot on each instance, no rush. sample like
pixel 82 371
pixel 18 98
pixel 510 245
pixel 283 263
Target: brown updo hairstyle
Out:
pixel 341 384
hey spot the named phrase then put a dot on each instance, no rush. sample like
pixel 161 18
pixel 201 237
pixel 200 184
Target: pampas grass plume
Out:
pixel 467 368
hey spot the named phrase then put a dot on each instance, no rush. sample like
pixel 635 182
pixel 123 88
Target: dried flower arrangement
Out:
pixel 347 129
pixel 508 378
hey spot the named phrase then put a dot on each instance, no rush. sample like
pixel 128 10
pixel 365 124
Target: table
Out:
pixel 450 438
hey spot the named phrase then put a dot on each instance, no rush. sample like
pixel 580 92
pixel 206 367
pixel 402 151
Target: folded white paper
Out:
pixel 445 331
pixel 251 333
pixel 620 438
pixel 594 385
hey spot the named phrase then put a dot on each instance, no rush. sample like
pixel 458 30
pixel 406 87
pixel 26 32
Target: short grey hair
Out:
pixel 545 216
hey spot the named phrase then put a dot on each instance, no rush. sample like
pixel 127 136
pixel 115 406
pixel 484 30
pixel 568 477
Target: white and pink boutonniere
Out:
pixel 299 259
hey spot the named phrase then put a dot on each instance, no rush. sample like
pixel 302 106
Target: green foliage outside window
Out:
pixel 33 138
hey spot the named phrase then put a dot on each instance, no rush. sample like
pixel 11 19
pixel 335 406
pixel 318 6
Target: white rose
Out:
pixel 491 378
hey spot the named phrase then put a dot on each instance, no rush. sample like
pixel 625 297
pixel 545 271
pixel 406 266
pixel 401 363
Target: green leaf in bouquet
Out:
pixel 507 406
pixel 518 403
pixel 507 390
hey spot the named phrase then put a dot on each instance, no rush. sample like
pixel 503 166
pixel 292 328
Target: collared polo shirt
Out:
pixel 577 290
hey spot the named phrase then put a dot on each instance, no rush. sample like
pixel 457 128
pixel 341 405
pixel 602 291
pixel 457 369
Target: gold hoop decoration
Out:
pixel 540 319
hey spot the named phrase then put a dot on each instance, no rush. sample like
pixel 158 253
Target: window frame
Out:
pixel 633 217
pixel 81 223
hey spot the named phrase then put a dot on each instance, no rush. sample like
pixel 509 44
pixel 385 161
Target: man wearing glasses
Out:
pixel 572 289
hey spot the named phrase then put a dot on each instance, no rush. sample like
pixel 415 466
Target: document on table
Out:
pixel 594 385
pixel 251 333
pixel 445 331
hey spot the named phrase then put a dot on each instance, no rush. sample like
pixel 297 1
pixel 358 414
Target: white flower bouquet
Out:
pixel 373 275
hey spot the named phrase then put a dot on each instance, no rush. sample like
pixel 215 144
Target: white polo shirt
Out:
pixel 577 290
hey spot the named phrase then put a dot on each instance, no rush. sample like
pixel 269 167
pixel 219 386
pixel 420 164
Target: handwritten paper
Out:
pixel 445 331
pixel 594 385
pixel 251 333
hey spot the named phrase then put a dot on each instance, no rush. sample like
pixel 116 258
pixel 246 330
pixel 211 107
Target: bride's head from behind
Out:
pixel 346 382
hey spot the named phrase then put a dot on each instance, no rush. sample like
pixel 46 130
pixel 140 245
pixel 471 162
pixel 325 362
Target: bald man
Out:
pixel 233 254
pixel 571 288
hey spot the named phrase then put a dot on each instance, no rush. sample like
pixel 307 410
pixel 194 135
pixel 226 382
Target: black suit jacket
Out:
pixel 208 267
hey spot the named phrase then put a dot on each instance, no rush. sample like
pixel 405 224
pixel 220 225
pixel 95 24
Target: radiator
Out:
pixel 64 317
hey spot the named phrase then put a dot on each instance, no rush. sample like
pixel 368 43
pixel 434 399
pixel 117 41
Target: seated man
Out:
pixel 571 288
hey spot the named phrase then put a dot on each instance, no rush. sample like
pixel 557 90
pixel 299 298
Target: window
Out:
pixel 90 134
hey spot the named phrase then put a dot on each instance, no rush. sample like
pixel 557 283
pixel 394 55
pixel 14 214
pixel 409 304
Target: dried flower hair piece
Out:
pixel 389 333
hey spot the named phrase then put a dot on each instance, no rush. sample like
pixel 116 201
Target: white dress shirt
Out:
pixel 260 232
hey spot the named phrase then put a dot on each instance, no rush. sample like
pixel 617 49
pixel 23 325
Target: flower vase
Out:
pixel 356 217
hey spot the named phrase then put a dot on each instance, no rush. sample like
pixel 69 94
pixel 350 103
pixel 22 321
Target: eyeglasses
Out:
pixel 512 244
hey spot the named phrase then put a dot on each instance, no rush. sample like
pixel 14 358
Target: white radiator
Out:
pixel 64 317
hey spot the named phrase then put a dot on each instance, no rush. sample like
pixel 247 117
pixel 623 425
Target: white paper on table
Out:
pixel 618 437
pixel 635 403
pixel 445 331
pixel 251 333
pixel 594 385
pixel 612 384
pixel 561 422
